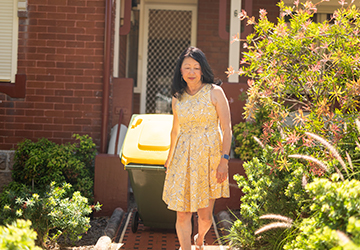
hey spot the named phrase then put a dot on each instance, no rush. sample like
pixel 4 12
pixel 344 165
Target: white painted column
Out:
pixel 234 48
pixel 117 39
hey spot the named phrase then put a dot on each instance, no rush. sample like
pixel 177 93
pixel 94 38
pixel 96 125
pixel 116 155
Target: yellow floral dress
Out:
pixel 191 176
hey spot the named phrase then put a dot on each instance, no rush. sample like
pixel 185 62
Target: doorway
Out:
pixel 167 31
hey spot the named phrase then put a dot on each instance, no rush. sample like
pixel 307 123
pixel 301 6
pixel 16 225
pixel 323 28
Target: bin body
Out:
pixel 147 183
pixel 144 153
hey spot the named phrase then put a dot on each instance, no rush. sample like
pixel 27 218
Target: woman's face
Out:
pixel 191 71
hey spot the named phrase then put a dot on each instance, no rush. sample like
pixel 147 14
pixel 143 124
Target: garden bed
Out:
pixel 89 239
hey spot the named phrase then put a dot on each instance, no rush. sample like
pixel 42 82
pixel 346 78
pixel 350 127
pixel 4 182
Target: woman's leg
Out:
pixel 204 221
pixel 183 229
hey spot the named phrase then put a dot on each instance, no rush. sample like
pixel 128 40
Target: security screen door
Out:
pixel 170 29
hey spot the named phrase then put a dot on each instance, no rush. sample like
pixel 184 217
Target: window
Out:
pixel 9 40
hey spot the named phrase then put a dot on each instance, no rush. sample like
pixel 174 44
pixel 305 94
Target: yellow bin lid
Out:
pixel 147 140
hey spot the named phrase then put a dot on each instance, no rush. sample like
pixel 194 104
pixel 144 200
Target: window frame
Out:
pixel 15 87
pixel 14 45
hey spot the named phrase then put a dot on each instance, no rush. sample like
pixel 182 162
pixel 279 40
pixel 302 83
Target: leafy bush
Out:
pixel 247 136
pixel 52 214
pixel 9 191
pixel 246 146
pixel 307 75
pixel 335 210
pixel 321 208
pixel 19 235
pixel 33 194
pixel 37 164
pixel 303 65
pixel 267 190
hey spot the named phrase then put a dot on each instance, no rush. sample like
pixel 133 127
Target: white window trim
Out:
pixel 14 46
pixel 143 34
pixel 15 43
pixel 117 39
pixel 234 48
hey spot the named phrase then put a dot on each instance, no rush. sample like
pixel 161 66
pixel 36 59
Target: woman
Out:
pixel 197 164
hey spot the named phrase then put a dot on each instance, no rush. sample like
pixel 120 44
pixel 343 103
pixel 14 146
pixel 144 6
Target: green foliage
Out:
pixel 303 65
pixel 37 164
pixel 245 145
pixel 18 235
pixel 33 194
pixel 277 183
pixel 267 190
pixel 9 191
pixel 307 76
pixel 335 207
pixel 52 214
pixel 246 134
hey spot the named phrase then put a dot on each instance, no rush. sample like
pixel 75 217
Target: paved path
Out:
pixel 161 239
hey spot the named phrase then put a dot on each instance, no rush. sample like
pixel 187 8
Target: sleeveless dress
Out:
pixel 191 176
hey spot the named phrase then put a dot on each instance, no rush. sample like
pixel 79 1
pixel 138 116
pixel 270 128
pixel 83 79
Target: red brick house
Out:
pixel 52 81
pixel 69 66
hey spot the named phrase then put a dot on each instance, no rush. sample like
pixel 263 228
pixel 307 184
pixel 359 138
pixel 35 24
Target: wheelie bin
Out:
pixel 144 152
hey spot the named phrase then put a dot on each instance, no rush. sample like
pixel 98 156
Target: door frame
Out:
pixel 143 42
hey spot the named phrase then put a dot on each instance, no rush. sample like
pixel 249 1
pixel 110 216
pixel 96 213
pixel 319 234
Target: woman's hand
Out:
pixel 222 171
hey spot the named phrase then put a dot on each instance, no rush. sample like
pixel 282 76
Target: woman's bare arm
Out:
pixel 222 108
pixel 174 132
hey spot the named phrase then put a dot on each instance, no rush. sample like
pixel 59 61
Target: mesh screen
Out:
pixel 169 34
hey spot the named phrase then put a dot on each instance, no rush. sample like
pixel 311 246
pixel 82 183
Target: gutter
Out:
pixel 106 77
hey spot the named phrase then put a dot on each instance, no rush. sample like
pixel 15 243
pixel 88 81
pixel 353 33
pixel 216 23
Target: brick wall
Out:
pixel 61 52
pixel 269 6
pixel 208 40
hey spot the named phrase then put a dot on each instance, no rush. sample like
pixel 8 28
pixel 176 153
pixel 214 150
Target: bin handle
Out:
pixel 138 122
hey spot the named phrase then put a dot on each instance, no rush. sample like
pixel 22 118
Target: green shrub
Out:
pixel 325 212
pixel 335 220
pixel 247 135
pixel 52 214
pixel 307 75
pixel 19 235
pixel 37 164
pixel 303 65
pixel 246 146
pixel 267 190
pixel 9 191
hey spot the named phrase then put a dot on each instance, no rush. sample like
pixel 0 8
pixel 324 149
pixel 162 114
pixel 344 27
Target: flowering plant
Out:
pixel 303 66
pixel 307 75
pixel 52 214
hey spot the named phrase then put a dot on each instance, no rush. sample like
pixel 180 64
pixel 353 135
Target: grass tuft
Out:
pixel 312 159
pixel 273 226
pixel 343 237
pixel 333 151
pixel 258 141
pixel 276 217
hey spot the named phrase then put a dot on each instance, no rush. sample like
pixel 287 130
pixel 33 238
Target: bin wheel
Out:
pixel 135 222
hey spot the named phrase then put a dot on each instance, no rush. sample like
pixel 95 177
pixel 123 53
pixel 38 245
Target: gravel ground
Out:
pixel 89 239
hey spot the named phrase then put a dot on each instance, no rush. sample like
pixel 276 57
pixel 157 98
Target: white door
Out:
pixel 167 31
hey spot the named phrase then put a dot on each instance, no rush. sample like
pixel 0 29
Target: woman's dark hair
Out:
pixel 178 86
